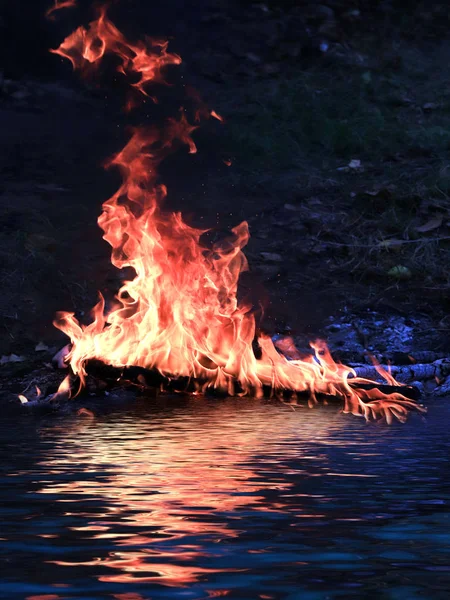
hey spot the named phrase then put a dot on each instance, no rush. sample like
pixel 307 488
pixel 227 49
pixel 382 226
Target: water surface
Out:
pixel 190 498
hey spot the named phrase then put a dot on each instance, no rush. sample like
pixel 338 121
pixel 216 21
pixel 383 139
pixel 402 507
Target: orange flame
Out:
pixel 180 313
pixel 64 391
pixel 87 46
pixel 58 5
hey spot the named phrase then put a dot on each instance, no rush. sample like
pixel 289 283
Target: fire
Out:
pixel 87 46
pixel 180 314
pixel 58 5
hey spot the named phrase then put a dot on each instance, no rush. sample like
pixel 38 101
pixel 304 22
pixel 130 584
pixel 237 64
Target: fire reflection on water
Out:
pixel 171 493
pixel 238 497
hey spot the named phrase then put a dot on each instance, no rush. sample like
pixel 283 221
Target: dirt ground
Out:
pixel 340 164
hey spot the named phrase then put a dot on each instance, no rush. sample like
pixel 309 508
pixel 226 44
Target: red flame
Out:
pixel 180 313
pixel 58 5
pixel 87 46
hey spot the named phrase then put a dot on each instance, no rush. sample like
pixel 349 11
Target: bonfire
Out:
pixel 179 315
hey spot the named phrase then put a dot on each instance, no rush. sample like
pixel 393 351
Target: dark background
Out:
pixel 26 34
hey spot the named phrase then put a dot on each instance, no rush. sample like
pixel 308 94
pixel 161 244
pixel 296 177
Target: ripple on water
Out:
pixel 232 498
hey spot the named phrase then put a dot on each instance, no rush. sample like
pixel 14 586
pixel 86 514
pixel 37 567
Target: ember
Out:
pixel 180 315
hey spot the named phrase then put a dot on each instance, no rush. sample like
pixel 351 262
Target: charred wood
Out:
pixel 151 378
pixel 438 370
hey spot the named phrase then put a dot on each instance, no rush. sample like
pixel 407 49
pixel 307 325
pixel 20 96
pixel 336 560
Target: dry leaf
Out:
pixel 433 223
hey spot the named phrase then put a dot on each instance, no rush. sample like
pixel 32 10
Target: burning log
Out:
pixel 147 378
pixel 137 376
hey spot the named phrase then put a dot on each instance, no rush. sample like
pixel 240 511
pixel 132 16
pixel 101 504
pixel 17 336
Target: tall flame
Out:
pixel 180 313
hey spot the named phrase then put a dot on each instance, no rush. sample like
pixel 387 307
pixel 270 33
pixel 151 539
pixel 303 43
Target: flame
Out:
pixel 180 313
pixel 58 5
pixel 87 46
pixel 386 375
pixel 216 116
pixel 64 390
pixel 24 400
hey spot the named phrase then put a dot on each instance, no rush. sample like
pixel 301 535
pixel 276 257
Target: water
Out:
pixel 187 498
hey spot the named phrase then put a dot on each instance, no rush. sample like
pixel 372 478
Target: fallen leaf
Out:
pixel 433 223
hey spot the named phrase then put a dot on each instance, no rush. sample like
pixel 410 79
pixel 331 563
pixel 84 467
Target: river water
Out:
pixel 191 498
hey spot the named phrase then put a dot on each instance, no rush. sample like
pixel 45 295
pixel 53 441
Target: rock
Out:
pixel 444 388
pixel 41 347
pixel 59 359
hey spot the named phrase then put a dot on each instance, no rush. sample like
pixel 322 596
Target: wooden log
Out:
pixel 407 373
pixel 151 378
pixel 139 376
